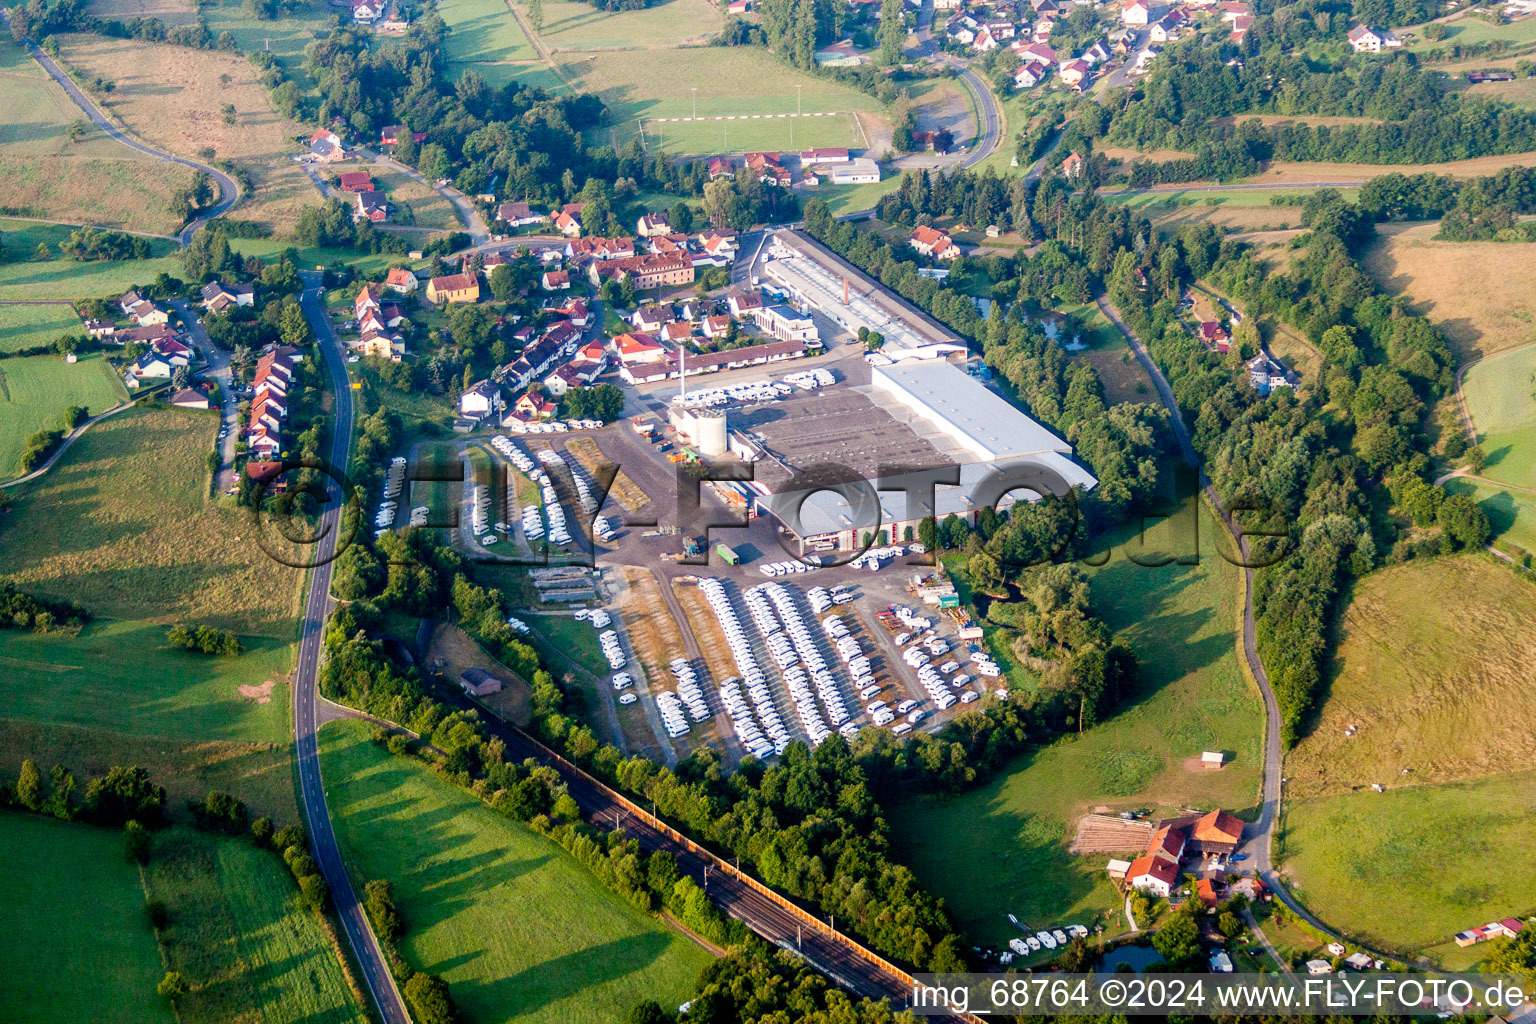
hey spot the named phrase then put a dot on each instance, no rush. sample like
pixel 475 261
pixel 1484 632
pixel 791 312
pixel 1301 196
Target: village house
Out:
pixel 325 146
pixel 716 327
pixel 933 242
pixel 1074 72
pixel 721 167
pixel 1030 75
pixel 1240 27
pixel 532 407
pixel 98 328
pixel 634 349
pixel 274 373
pixel 677 331
pixel 741 305
pixel 575 312
pixel 1035 53
pixel 1072 166
pixel 481 399
pixel 649 317
pixel 371 206
pixel 401 280
pixel 191 398
pixel 391 135
pixel 218 296
pixel 599 248
pixel 652 225
pixel 555 280
pixel 517 215
pixel 568 224
pixel 366 12
pixel 1136 12
pixel 454 288
pixel 1365 39
pixel 355 181
pixel 1214 335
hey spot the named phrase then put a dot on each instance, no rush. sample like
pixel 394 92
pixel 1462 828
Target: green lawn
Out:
pixel 1181 622
pixel 572 25
pixel 1408 868
pixel 28 326
pixel 1215 198
pixel 518 928
pixel 1470 31
pixel 239 937
pixel 124 677
pixel 843 199
pixel 78 949
pixel 1501 391
pixel 769 132
pixel 35 391
pixel 577 640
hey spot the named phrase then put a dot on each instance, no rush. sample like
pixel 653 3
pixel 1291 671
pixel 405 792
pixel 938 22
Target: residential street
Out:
pixel 218 369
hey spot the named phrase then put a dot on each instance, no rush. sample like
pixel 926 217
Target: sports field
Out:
pixel 96 180
pixel 1418 679
pixel 28 326
pixel 1480 313
pixel 1407 869
pixel 174 98
pixel 518 928
pixel 77 947
pixel 645 85
pixel 122 525
pixel 238 935
pixel 35 391
pixel 1181 622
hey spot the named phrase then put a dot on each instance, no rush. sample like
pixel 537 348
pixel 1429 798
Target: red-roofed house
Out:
pixel 401 280
pixel 935 243
pixel 1072 166
pixel 356 181
pixel 1216 832
pixel 638 348
pixel 556 280
pixel 1153 875
pixel 1135 12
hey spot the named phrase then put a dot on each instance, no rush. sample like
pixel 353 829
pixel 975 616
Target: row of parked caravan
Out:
pixel 480 512
pixel 612 650
pixel 1046 939
pixel 672 717
pixel 514 454
pixel 810 380
pixel 767 735
pixel 821 598
pixel 688 689
pixel 802 663
pixel 579 475
pixel 394 479
pixel 596 616
pixel 554 512
pixel 552 426
pixel 756 391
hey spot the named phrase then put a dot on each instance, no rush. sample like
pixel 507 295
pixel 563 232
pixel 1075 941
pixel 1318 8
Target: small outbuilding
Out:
pixel 477 682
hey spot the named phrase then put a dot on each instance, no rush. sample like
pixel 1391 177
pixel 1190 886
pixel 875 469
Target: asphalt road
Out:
pixel 306 717
pixel 229 191
pixel 218 368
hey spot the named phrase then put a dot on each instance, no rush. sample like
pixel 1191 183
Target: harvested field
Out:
pixel 1281 172
pixel 1439 689
pixel 624 490
pixel 1480 313
pixel 1100 833
pixel 1293 120
pixel 453 652
pixel 173 97
pixel 95 180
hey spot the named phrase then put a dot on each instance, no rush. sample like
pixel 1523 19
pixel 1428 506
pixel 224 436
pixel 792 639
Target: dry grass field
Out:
pixel 571 25
pixel 454 652
pixel 123 525
pixel 652 632
pixel 173 97
pixel 1282 172
pixel 174 13
pixel 624 490
pixel 96 180
pixel 1480 311
pixel 1441 688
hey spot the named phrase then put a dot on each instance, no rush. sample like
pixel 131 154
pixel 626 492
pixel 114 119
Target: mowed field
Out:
pixel 171 96
pixel 1475 292
pixel 1501 396
pixel 572 25
pixel 1407 869
pixel 121 525
pixel 35 391
pixel 250 952
pixel 1003 848
pixel 77 947
pixel 96 180
pixel 483 36
pixel 31 325
pixel 649 84
pixel 1440 694
pixel 519 929
pixel 1512 514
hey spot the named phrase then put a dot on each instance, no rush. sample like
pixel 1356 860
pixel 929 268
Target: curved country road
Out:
pixel 306 712
pixel 1258 838
pixel 229 190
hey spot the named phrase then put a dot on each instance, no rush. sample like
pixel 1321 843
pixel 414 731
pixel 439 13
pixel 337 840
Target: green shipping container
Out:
pixel 725 552
pixel 949 600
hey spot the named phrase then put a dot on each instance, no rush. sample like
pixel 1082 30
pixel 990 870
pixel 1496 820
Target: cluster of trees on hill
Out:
pixel 1477 209
pixel 204 639
pixel 19 610
pixel 123 794
pixel 1310 475
pixel 86 244
pixel 1421 120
